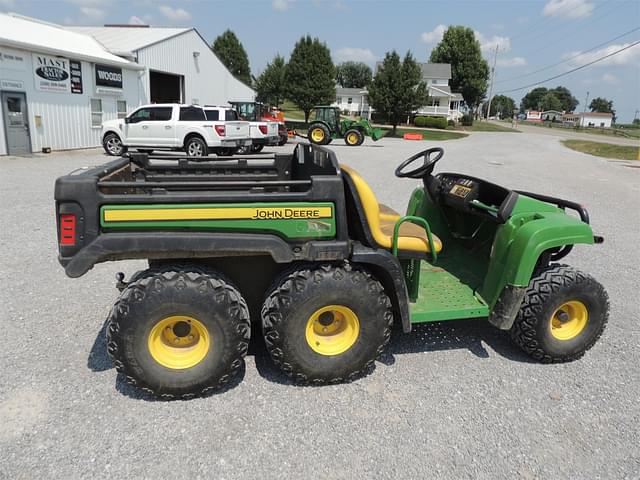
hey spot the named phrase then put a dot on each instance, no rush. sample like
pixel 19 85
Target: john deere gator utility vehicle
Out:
pixel 299 244
pixel 327 125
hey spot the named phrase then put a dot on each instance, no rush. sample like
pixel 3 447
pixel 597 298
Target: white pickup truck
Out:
pixel 262 132
pixel 175 127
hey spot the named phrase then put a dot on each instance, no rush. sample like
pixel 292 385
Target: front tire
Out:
pixel 112 145
pixel 196 147
pixel 178 332
pixel 325 323
pixel 353 138
pixel 563 314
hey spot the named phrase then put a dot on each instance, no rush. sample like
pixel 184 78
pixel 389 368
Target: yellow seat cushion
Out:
pixel 382 220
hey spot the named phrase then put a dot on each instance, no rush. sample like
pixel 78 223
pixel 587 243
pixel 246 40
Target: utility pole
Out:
pixel 584 110
pixel 493 76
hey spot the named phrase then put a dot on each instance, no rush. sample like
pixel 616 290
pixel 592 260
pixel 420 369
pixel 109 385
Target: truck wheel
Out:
pixel 319 134
pixel 227 152
pixel 325 323
pixel 283 140
pixel 563 314
pixel 353 138
pixel 256 148
pixel 112 145
pixel 178 332
pixel 196 147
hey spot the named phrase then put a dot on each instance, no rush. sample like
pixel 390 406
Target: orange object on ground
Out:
pixel 412 136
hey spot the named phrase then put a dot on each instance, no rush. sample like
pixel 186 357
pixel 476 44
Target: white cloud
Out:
pixel 90 10
pixel 349 54
pixel 134 20
pixel 93 13
pixel 570 9
pixel 333 4
pixel 626 57
pixel 174 14
pixel 610 79
pixel 281 5
pixel 488 44
pixel 511 62
pixel 435 35
pixel 7 3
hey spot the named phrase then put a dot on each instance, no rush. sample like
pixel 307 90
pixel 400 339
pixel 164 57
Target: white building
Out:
pixel 353 102
pixel 442 101
pixel 594 119
pixel 58 84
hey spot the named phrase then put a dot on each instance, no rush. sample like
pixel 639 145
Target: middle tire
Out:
pixel 326 323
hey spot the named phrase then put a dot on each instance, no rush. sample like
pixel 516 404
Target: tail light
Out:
pixel 221 130
pixel 263 129
pixel 67 229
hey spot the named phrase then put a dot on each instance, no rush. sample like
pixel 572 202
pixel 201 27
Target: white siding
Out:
pixel 207 81
pixel 66 117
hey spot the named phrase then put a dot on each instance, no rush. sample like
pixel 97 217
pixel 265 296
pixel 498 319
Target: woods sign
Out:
pixel 108 76
pixel 51 74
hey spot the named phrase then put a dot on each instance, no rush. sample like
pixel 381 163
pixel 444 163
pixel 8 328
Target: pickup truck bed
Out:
pixel 168 206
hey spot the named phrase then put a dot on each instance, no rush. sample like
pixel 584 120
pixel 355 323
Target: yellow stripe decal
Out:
pixel 235 213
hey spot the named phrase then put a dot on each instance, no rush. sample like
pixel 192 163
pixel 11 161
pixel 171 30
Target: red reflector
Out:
pixel 221 130
pixel 67 229
pixel 263 129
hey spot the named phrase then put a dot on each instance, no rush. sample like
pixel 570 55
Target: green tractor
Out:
pixel 327 125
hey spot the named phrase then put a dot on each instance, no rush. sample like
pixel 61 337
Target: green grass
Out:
pixel 606 150
pixel 291 111
pixel 426 134
pixel 612 132
pixel 480 126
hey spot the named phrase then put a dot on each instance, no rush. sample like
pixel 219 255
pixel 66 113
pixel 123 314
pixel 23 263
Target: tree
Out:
pixel 397 89
pixel 636 121
pixel 232 54
pixel 602 105
pixel 469 71
pixel 550 102
pixel 353 75
pixel 502 105
pixel 533 99
pixel 310 75
pixel 567 101
pixel 270 85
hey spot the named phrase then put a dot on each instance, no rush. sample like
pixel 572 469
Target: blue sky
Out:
pixel 531 35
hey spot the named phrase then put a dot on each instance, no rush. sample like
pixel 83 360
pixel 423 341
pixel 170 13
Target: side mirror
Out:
pixel 127 119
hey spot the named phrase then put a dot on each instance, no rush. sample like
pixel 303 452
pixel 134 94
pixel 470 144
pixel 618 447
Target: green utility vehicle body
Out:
pixel 191 210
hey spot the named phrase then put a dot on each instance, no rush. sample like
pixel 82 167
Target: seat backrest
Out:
pixel 367 197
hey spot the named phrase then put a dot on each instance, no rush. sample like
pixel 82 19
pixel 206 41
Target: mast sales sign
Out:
pixel 51 73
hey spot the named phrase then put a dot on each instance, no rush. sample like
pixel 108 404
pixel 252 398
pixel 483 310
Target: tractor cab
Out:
pixel 328 115
pixel 249 111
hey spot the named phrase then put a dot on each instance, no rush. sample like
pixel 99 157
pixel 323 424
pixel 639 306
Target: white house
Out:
pixel 58 84
pixel 533 116
pixel 594 119
pixel 353 102
pixel 442 101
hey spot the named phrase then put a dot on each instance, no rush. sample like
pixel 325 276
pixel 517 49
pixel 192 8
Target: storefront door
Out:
pixel 16 123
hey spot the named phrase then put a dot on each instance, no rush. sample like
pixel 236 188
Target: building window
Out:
pixel 339 100
pixel 96 112
pixel 349 100
pixel 122 108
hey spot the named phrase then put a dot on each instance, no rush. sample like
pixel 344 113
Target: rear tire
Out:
pixel 113 146
pixel 178 332
pixel 326 323
pixel 196 147
pixel 319 134
pixel 563 314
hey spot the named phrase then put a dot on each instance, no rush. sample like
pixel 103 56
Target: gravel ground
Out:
pixel 450 400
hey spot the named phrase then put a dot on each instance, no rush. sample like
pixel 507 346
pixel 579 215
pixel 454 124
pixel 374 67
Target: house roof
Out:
pixel 31 34
pixel 436 70
pixel 125 40
pixel 595 114
pixel 351 91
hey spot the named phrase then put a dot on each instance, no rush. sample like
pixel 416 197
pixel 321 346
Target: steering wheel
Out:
pixel 427 164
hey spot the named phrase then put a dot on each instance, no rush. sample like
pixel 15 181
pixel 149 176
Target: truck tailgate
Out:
pixel 236 130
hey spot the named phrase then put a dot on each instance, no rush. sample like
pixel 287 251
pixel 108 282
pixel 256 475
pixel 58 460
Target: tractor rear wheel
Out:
pixel 353 138
pixel 319 134
pixel 326 323
pixel 563 314
pixel 178 331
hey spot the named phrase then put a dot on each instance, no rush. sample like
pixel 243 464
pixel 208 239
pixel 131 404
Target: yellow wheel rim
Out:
pixel 317 135
pixel 352 139
pixel 179 342
pixel 569 320
pixel 332 330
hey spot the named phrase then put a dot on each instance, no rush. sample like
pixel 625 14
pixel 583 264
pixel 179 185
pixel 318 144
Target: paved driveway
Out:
pixel 450 400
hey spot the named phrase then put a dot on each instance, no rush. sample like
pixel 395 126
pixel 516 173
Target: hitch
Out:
pixel 120 283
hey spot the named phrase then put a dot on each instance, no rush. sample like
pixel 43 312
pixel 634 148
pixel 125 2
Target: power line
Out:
pixel 568 59
pixel 572 70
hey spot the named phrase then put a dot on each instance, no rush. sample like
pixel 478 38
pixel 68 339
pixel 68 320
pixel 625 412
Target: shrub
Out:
pixel 467 120
pixel 435 122
pixel 451 123
pixel 419 121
